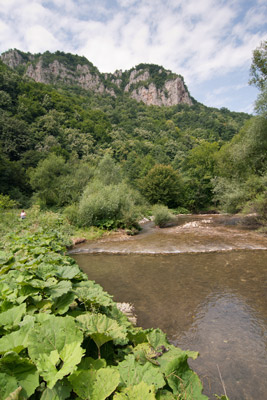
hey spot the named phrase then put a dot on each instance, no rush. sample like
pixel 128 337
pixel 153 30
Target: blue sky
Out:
pixel 209 42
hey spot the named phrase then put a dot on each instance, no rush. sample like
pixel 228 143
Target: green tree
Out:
pixel 258 70
pixel 163 185
pixel 57 182
pixel 198 168
pixel 108 172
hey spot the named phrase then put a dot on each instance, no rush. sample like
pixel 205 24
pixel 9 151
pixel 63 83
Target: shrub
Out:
pixel 162 215
pixel 108 206
pixel 7 202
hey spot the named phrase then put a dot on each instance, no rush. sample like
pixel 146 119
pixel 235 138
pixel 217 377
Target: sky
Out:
pixel 209 42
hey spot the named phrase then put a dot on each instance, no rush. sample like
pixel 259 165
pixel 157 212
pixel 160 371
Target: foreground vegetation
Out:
pixel 63 337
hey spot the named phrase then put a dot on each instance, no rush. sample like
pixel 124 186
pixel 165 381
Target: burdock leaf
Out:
pixel 55 347
pixel 102 329
pixel 62 304
pixel 164 395
pixel 12 316
pixel 59 289
pixel 140 391
pixel 60 391
pixel 157 339
pixel 132 373
pixel 182 380
pixel 18 340
pixel 8 384
pixel 68 271
pixel 23 370
pixel 95 384
pixel 91 293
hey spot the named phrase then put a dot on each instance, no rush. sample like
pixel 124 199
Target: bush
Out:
pixel 162 215
pixel 108 206
pixel 7 202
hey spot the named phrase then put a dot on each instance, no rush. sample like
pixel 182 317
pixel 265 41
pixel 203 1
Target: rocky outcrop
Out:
pixel 140 83
pixel 14 58
pixel 57 72
pixel 172 93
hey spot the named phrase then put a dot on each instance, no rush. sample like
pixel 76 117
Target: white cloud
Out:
pixel 198 39
pixel 39 39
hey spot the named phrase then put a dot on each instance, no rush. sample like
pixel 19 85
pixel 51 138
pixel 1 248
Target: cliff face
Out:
pixel 147 82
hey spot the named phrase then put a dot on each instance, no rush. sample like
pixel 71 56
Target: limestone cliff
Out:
pixel 149 83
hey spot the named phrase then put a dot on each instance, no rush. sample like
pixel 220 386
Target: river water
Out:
pixel 203 282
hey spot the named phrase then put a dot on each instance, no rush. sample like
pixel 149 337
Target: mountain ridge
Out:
pixel 149 83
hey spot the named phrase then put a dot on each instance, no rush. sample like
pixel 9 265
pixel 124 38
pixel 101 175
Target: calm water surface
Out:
pixel 207 294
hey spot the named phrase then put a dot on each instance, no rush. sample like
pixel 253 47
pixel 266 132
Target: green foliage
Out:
pixel 49 356
pixel 107 172
pixel 108 206
pixel 141 391
pixel 242 167
pixel 56 184
pixel 6 202
pixel 163 185
pixel 198 167
pixel 162 215
pixel 258 70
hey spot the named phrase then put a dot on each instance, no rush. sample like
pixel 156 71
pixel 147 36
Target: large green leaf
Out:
pixel 60 391
pixel 182 380
pixel 165 395
pixel 157 339
pixel 143 352
pixel 22 370
pixel 90 363
pixel 55 347
pixel 140 391
pixel 91 293
pixel 59 289
pixel 132 373
pixel 62 304
pixel 8 384
pixel 95 384
pixel 13 316
pixel 102 329
pixel 18 340
pixel 45 271
pixel 68 271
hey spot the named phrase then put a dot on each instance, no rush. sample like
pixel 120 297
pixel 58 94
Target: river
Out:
pixel 202 281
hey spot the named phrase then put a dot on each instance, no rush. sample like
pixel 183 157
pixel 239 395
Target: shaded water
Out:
pixel 211 299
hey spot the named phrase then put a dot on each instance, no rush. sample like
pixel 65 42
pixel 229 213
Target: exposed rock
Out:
pixel 138 82
pixel 134 78
pixel 173 92
pixel 13 58
pixel 78 240
pixel 128 310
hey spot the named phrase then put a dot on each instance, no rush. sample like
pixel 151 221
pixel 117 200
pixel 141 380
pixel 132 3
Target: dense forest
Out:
pixel 104 159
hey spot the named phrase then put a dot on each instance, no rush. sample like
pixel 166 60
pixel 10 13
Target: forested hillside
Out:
pixel 65 146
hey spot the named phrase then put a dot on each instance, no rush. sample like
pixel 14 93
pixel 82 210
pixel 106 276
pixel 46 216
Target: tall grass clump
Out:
pixel 162 215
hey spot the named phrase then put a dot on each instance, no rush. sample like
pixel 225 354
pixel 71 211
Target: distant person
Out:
pixel 22 214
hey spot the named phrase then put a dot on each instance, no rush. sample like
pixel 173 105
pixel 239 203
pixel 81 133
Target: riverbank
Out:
pixel 186 234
